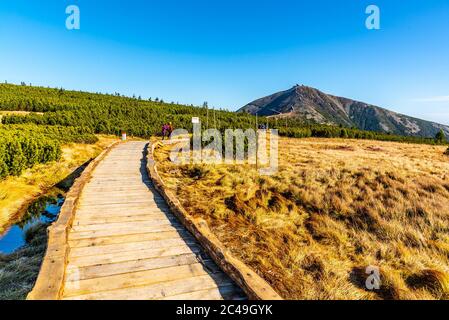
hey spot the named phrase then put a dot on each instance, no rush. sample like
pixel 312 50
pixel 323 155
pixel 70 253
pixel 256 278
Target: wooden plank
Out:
pixel 121 212
pixel 141 191
pixel 111 233
pixel 147 197
pixel 114 212
pixel 116 182
pixel 119 179
pixel 128 207
pixel 89 251
pixel 134 279
pixel 101 241
pixel 130 225
pixel 123 202
pixel 134 255
pixel 160 290
pixel 119 188
pixel 113 193
pixel 114 206
pixel 104 270
pixel 118 219
pixel 121 232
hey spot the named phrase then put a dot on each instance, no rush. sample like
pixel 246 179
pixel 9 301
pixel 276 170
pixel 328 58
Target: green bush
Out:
pixel 440 137
pixel 20 150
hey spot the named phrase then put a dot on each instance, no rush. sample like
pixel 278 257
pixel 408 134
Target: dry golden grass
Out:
pixel 334 208
pixel 16 192
pixel 19 113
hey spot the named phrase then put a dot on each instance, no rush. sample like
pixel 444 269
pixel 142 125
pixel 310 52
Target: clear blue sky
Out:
pixel 232 52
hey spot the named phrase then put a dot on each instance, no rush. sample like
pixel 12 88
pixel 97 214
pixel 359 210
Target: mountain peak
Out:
pixel 313 105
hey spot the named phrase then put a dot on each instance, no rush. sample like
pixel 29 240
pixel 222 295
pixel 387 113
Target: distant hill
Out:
pixel 313 105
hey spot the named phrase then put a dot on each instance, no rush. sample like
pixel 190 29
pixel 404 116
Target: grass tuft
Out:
pixel 434 281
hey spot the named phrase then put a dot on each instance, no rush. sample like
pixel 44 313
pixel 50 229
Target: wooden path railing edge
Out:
pixel 50 281
pixel 255 287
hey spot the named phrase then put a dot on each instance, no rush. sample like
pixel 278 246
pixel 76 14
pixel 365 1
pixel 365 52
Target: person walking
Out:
pixel 164 131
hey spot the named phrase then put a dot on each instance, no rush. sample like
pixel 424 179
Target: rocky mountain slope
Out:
pixel 313 105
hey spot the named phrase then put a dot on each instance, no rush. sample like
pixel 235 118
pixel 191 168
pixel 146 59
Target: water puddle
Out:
pixel 44 210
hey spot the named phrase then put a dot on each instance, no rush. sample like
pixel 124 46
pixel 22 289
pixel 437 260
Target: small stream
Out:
pixel 44 210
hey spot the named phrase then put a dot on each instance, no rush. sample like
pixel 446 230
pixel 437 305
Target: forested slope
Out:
pixel 109 114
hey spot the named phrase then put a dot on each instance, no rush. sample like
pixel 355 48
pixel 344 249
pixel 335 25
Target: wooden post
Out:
pixel 257 143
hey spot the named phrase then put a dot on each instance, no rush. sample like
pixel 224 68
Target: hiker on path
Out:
pixel 165 131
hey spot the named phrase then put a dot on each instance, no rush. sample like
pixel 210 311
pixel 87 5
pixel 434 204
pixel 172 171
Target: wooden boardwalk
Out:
pixel 125 243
